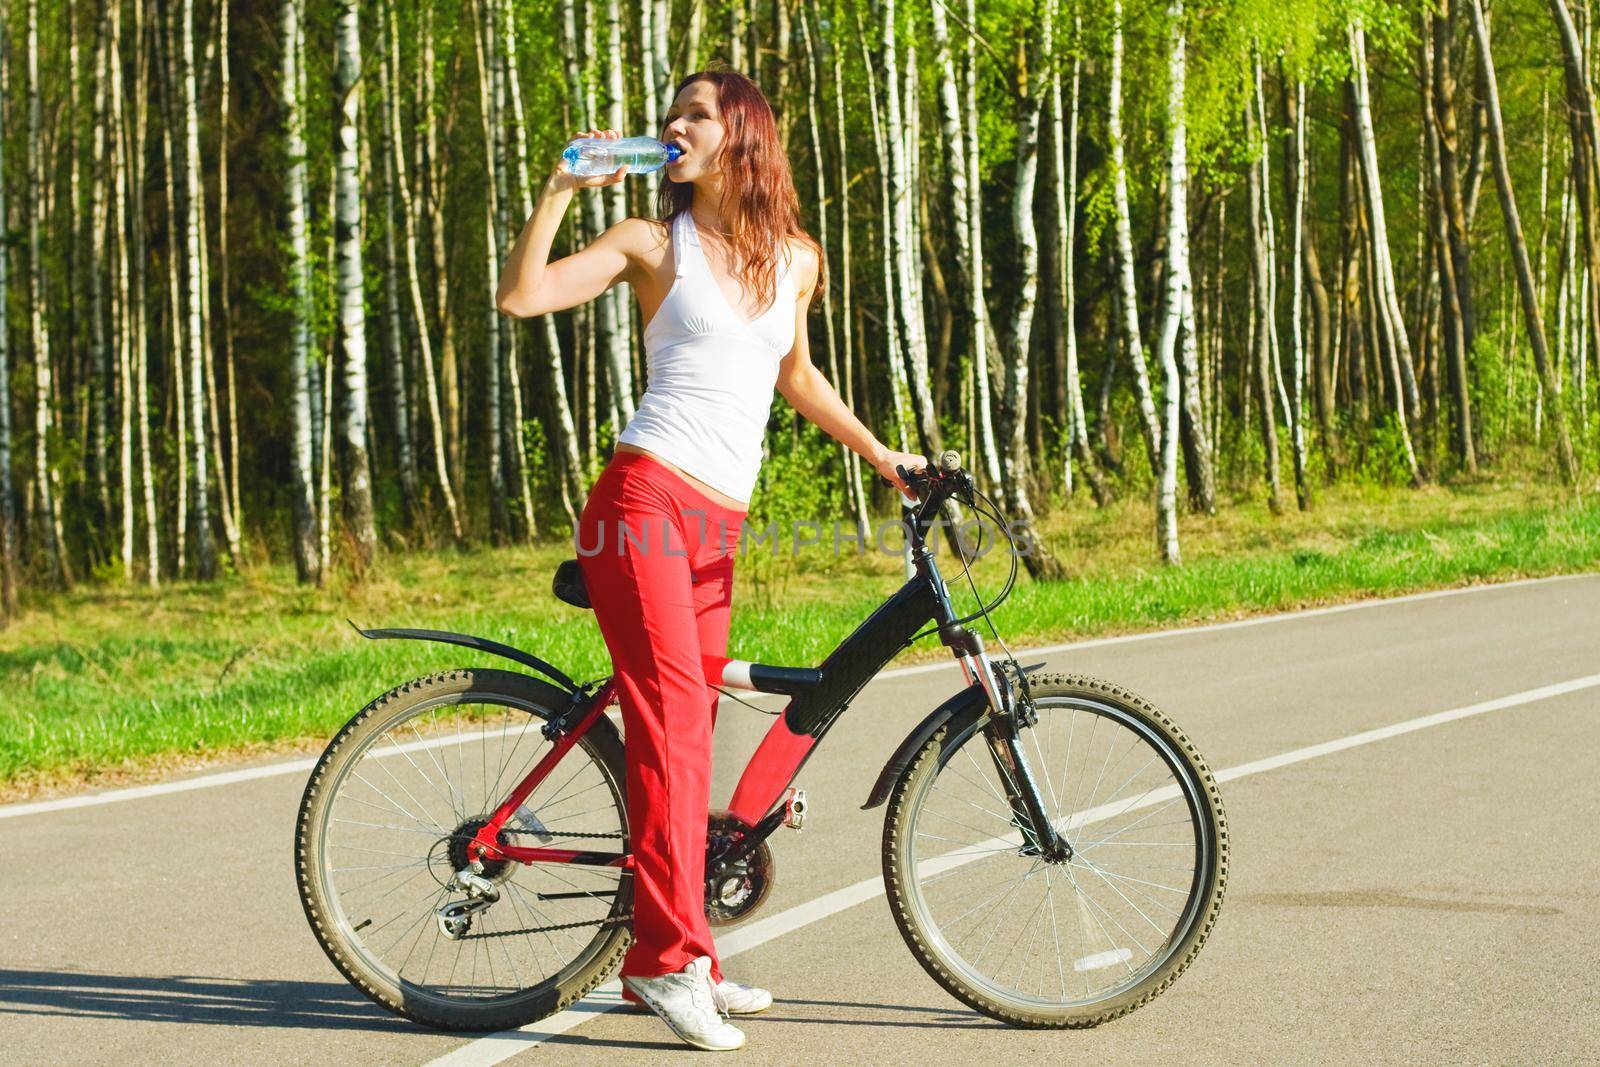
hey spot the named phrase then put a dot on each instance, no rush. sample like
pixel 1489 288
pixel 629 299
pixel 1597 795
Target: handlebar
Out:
pixel 931 485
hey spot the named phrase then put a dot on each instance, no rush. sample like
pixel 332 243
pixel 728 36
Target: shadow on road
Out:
pixel 832 1013
pixel 190 1000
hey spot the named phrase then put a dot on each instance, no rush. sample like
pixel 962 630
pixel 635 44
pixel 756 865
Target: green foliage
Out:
pixel 1383 458
pixel 128 679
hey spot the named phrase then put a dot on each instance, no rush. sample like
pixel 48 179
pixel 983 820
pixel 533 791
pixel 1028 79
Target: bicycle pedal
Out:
pixel 794 809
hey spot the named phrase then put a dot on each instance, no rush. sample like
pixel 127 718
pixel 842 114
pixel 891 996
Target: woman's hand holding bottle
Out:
pixel 563 179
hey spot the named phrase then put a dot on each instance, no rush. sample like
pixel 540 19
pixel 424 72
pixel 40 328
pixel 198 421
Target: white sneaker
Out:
pixel 738 999
pixel 685 1002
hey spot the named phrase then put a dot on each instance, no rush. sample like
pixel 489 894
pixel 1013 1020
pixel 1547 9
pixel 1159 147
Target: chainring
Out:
pixel 745 885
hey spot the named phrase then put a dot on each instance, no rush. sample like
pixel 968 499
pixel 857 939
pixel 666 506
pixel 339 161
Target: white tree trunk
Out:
pixel 1013 408
pixel 508 173
pixel 906 247
pixel 1388 302
pixel 651 62
pixel 565 446
pixel 399 396
pixel 1514 236
pixel 8 551
pixel 302 491
pixel 351 281
pixel 123 316
pixel 195 336
pixel 1297 375
pixel 850 461
pixel 430 380
pixel 620 350
pixel 846 384
pixel 45 478
pixel 236 516
pixel 1263 309
pixel 137 302
pixel 900 412
pixel 1177 282
pixel 1066 206
pixel 100 359
pixel 493 406
pixel 983 339
pixel 1133 340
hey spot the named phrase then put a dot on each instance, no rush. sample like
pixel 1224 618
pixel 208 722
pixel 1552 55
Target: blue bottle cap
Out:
pixel 673 152
pixel 570 154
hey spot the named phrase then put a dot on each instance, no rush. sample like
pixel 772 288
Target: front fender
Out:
pixel 961 708
pixel 970 702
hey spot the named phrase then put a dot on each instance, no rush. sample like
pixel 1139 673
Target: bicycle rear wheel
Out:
pixel 1084 939
pixel 384 824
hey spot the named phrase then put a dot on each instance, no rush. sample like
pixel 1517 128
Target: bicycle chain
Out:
pixel 610 920
pixel 564 835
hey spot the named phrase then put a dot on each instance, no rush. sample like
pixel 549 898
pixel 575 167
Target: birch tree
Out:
pixel 399 397
pixel 619 350
pixel 8 549
pixel 1041 563
pixel 904 244
pixel 1514 237
pixel 46 479
pixel 984 349
pixel 484 41
pixel 901 415
pixel 1297 376
pixel 565 445
pixel 430 382
pixel 1263 309
pixel 194 334
pixel 302 496
pixel 351 281
pixel 1177 283
pixel 1390 317
pixel 1132 338
pixel 849 460
pixel 1065 145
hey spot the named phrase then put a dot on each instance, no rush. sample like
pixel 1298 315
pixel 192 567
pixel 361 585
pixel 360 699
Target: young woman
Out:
pixel 723 278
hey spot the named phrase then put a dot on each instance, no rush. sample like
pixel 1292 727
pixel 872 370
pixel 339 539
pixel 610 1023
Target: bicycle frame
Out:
pixel 817 703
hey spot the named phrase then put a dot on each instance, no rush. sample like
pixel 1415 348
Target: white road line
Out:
pixel 303 766
pixel 497 1048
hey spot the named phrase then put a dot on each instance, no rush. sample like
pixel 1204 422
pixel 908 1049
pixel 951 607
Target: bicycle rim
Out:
pixel 401 805
pixel 1060 943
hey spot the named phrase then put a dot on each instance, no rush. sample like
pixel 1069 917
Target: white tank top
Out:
pixel 710 372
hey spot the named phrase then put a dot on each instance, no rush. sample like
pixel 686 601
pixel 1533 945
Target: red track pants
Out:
pixel 657 557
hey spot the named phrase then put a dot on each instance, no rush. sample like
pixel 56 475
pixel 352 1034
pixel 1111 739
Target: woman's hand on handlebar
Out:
pixel 886 463
pixel 563 178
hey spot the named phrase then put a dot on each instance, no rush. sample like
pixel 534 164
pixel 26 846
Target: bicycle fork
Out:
pixel 1028 813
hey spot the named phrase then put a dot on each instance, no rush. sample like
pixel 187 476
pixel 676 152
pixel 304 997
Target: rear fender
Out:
pixel 481 644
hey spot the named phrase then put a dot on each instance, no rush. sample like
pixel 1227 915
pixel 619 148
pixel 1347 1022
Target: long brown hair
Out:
pixel 758 197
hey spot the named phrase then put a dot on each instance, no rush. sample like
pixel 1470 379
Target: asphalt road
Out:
pixel 1424 897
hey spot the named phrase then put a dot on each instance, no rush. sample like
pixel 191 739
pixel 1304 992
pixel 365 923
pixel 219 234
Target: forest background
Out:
pixel 1237 305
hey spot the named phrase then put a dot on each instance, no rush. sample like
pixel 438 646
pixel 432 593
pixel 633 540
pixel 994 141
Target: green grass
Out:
pixel 108 683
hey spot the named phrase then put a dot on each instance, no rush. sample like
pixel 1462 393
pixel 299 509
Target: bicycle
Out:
pixel 461 846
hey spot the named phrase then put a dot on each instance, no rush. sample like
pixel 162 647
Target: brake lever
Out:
pixel 906 475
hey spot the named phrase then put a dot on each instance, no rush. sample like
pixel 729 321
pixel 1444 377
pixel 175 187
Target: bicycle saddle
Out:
pixel 568 585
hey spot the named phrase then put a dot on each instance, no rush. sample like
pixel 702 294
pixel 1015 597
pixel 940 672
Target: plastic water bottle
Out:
pixel 597 155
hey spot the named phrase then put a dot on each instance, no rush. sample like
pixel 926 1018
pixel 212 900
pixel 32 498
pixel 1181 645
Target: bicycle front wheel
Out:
pixel 384 825
pixel 1085 938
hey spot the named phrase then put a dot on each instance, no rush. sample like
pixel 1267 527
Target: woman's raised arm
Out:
pixel 530 284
